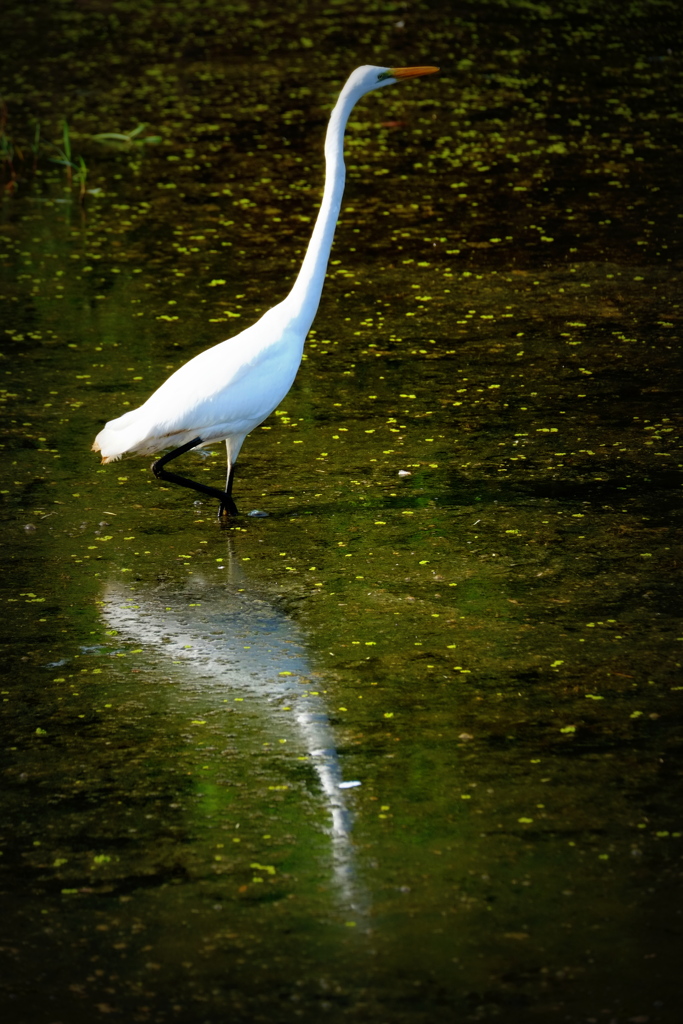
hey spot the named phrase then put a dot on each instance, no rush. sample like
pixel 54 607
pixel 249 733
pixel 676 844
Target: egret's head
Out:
pixel 367 78
pixel 386 76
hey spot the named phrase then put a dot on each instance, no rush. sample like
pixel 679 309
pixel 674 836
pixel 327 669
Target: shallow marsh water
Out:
pixel 490 645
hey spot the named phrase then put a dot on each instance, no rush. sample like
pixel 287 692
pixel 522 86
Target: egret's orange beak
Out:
pixel 412 72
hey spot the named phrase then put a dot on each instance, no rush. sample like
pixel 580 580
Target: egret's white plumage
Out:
pixel 226 391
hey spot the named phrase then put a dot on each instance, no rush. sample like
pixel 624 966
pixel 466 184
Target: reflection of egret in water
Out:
pixel 228 640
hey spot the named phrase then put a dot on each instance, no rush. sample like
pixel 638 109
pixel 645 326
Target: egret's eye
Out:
pixel 383 75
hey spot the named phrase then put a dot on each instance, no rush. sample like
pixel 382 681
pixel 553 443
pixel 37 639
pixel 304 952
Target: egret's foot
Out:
pixel 227 507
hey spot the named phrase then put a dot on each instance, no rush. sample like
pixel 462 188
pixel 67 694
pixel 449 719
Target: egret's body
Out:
pixel 226 391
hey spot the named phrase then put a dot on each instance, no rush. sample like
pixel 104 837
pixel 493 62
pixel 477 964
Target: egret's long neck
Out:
pixel 305 295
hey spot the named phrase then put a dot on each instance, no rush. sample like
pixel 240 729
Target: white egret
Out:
pixel 223 393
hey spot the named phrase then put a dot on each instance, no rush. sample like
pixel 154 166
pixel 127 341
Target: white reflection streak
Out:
pixel 232 640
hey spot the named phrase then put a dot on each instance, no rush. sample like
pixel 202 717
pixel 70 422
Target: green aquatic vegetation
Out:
pixel 75 167
pixel 64 157
pixel 132 140
pixel 16 166
pixel 7 154
pixel 11 154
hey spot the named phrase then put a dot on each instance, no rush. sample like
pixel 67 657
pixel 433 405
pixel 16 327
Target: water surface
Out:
pixel 466 594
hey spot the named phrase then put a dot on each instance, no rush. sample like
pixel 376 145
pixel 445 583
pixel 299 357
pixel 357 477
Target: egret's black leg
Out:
pixel 227 504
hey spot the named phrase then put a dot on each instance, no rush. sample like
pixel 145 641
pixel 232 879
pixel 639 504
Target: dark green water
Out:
pixel 489 642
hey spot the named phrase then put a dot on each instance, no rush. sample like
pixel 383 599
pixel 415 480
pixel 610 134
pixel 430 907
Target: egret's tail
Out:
pixel 120 436
pixel 105 458
pixel 136 433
